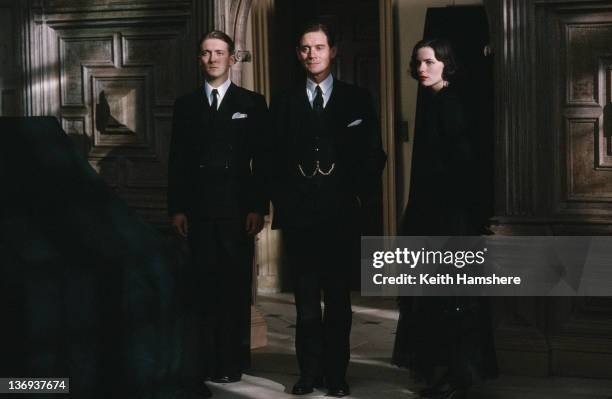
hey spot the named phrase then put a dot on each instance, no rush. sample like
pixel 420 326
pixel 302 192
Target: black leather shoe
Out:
pixel 338 390
pixel 226 379
pixel 306 385
pixel 299 389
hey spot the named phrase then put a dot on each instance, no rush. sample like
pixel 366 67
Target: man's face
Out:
pixel 315 55
pixel 216 60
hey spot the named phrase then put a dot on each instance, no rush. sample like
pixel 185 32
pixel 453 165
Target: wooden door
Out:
pixel 577 60
pixel 110 71
pixel 553 171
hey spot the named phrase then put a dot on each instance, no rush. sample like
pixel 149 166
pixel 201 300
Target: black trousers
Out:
pixel 320 259
pixel 217 300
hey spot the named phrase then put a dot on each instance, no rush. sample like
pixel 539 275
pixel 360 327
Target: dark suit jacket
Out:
pixel 194 186
pixel 358 149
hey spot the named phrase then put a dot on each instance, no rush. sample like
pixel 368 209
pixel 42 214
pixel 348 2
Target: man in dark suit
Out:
pixel 327 163
pixel 216 199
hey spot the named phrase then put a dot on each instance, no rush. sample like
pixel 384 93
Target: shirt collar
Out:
pixel 222 89
pixel 326 85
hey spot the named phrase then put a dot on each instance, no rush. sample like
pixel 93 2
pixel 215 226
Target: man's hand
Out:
pixel 254 223
pixel 179 221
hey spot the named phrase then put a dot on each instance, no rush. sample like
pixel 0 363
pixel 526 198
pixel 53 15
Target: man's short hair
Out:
pixel 217 34
pixel 323 24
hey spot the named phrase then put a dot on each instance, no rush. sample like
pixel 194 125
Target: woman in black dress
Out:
pixel 445 341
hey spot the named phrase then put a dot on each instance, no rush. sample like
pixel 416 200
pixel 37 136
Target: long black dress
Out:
pixel 452 333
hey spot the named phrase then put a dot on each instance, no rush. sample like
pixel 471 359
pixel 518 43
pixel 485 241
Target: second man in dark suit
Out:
pixel 216 199
pixel 328 160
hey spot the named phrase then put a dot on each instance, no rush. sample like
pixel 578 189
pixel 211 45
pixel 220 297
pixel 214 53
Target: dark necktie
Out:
pixel 317 103
pixel 213 104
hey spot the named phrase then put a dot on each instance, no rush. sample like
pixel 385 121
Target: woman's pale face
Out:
pixel 429 69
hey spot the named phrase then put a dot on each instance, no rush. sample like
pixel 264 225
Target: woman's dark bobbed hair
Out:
pixel 442 50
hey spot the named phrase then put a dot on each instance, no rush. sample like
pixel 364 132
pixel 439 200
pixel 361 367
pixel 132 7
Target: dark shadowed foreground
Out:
pixel 86 288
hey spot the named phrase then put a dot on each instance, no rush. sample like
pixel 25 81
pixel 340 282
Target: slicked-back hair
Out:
pixel 442 50
pixel 321 24
pixel 217 34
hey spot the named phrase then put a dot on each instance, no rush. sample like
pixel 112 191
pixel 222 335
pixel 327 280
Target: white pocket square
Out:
pixel 355 123
pixel 238 115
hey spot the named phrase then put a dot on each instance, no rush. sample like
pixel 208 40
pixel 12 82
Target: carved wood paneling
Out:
pixel 111 70
pixel 76 53
pixel 159 53
pixel 515 65
pixel 582 82
pixel 586 182
pixel 585 176
pixel 117 6
pixel 580 337
pixel 573 122
pixel 553 172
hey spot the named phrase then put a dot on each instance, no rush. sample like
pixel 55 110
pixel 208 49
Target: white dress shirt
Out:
pixel 221 90
pixel 326 85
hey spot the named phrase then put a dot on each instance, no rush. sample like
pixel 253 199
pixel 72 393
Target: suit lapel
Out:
pixel 227 105
pixel 303 99
pixel 298 112
pixel 203 107
pixel 335 103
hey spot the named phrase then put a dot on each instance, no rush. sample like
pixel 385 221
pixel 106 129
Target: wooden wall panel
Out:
pixel 586 181
pixel 584 170
pixel 111 71
pixel 552 63
pixel 76 53
pixel 161 54
pixel 578 329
